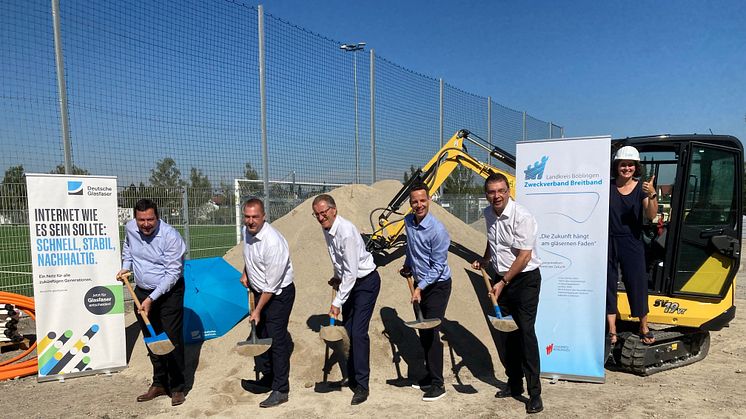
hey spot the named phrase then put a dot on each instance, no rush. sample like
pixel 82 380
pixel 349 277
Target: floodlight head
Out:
pixel 352 47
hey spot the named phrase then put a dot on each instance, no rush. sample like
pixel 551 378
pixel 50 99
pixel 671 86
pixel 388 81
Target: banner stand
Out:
pixel 75 256
pixel 565 185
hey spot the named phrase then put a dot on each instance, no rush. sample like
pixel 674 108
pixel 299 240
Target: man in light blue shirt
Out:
pixel 427 261
pixel 154 251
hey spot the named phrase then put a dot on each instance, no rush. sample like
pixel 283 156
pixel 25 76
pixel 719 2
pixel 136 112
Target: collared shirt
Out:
pixel 158 259
pixel 267 259
pixel 427 250
pixel 514 230
pixel 349 257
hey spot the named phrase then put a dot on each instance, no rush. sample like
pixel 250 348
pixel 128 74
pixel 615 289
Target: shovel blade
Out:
pixel 332 333
pixel 159 344
pixel 253 347
pixel 423 324
pixel 506 324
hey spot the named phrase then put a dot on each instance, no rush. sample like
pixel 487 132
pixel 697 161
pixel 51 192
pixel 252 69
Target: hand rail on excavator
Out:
pixel 434 173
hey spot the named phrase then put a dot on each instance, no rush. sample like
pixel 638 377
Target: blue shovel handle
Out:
pixel 150 329
pixel 498 314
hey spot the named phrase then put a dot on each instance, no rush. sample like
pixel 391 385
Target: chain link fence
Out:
pixel 167 96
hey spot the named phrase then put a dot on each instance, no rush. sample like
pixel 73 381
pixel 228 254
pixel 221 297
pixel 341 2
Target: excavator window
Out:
pixel 707 243
pixel 662 165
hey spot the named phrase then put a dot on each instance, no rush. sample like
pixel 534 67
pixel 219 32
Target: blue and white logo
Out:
pixel 537 170
pixel 74 187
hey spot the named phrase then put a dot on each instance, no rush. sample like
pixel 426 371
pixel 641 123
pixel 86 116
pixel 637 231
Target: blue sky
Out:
pixel 595 67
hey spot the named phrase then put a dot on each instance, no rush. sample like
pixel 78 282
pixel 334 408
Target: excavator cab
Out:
pixel 692 248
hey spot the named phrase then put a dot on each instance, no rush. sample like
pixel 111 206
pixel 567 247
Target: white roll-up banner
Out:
pixel 75 256
pixel 565 185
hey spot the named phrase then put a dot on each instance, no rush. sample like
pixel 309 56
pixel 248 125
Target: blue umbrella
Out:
pixel 214 299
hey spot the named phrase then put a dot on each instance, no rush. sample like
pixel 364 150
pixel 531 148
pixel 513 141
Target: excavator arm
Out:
pixel 434 174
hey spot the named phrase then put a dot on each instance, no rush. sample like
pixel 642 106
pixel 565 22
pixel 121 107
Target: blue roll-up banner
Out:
pixel 565 184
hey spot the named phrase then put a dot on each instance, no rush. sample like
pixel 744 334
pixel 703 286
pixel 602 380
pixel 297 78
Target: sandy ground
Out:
pixel 714 387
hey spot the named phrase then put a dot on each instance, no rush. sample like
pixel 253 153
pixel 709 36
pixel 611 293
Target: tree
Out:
pixel 13 195
pixel 407 176
pixel 166 174
pixel 252 189
pixel 60 169
pixel 15 174
pixel 165 189
pixel 249 172
pixel 460 182
pixel 198 179
pixel 200 189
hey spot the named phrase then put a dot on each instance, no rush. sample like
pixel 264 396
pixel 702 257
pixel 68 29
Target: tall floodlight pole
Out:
pixel 354 48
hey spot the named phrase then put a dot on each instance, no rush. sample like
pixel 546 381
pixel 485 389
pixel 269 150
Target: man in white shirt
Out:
pixel 357 283
pixel 511 239
pixel 268 272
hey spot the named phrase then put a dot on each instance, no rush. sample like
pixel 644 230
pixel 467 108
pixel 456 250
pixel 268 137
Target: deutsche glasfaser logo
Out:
pixel 537 170
pixel 74 187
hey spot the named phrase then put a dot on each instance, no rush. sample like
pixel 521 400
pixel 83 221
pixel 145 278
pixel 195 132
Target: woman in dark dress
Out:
pixel 629 200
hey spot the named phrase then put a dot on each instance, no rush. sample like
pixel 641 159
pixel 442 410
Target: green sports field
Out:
pixel 15 252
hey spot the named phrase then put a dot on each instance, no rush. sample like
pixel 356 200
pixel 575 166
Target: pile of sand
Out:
pixel 395 351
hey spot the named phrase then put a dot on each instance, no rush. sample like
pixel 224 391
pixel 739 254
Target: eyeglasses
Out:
pixel 322 213
pixel 500 191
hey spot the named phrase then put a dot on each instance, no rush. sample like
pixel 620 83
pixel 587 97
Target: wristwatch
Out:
pixel 653 196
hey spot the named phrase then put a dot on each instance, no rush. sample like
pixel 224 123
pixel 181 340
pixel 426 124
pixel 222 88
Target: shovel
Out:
pixel 419 323
pixel 503 324
pixel 253 346
pixel 158 344
pixel 334 333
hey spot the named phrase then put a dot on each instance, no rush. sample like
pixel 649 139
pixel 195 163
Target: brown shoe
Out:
pixel 152 393
pixel 177 398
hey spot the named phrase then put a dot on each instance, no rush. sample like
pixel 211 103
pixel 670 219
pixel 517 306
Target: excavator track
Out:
pixel 673 348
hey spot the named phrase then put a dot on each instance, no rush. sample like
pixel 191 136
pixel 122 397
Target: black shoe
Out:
pixel 534 405
pixel 508 392
pixel 360 396
pixel 275 399
pixel 434 393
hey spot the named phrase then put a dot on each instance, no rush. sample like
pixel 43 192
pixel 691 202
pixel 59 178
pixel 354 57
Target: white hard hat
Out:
pixel 627 153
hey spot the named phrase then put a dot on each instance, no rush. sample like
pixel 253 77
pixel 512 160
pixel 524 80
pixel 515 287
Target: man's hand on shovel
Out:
pixel 121 274
pixel 145 306
pixel 417 295
pixel 147 303
pixel 254 316
pixel 481 263
pixel 334 311
pixel 497 289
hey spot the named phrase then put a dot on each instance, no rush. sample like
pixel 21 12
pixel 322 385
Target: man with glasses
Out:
pixel 511 238
pixel 357 283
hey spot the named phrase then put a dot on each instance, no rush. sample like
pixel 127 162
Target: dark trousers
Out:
pixel 433 306
pixel 357 311
pixel 627 253
pixel 273 323
pixel 520 355
pixel 166 315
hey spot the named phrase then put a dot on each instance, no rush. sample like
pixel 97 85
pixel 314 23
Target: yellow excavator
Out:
pixel 692 247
